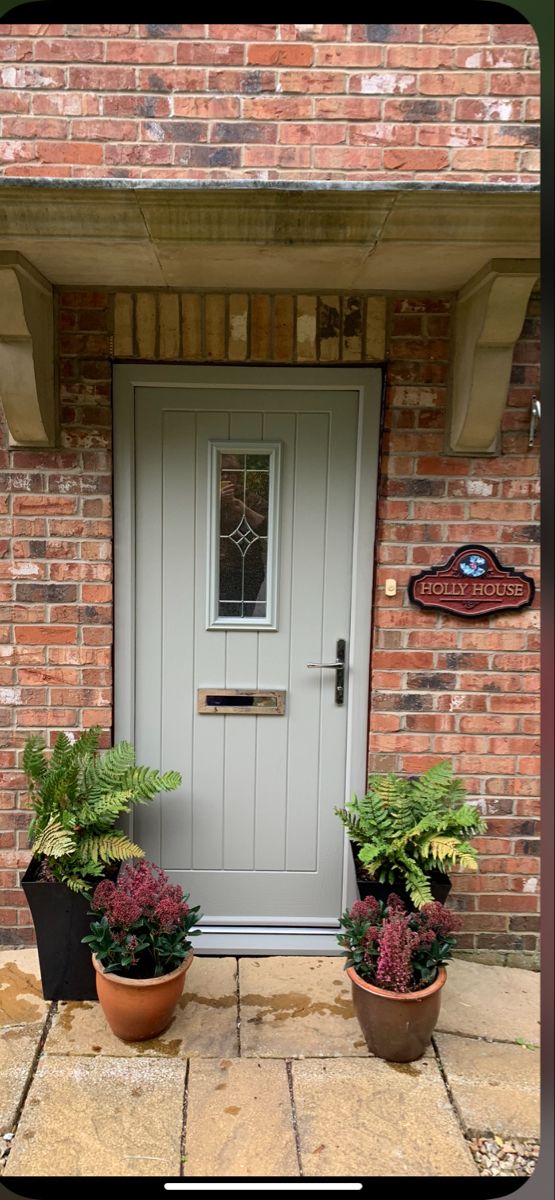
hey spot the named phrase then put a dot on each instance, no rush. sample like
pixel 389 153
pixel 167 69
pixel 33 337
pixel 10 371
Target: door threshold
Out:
pixel 256 941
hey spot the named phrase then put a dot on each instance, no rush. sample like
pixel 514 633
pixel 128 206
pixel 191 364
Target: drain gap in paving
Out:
pixel 238 993
pixel 494 1155
pixel 27 1085
pixel 294 1114
pixel 491 1041
pixel 452 1101
pixel 183 1142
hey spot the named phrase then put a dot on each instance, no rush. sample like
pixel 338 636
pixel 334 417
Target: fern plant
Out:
pixel 77 796
pixel 410 827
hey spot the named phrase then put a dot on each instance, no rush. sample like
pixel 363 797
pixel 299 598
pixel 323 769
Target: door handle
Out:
pixel 339 667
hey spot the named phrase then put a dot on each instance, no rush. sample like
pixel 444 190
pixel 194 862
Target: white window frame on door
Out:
pixel 367 381
pixel 213 621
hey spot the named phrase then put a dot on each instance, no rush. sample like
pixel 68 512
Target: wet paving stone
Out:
pixel 205 1022
pixel 295 1007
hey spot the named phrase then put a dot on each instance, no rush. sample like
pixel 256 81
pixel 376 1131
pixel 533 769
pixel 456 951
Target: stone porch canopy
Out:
pixel 481 245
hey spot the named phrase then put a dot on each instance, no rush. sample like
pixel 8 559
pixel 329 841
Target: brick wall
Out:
pixel 441 687
pixel 344 102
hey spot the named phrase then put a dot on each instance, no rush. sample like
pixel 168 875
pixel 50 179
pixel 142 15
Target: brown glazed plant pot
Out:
pixel 137 1009
pixel 397 1026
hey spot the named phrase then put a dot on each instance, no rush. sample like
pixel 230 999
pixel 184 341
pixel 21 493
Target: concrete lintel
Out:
pixel 489 314
pixel 26 352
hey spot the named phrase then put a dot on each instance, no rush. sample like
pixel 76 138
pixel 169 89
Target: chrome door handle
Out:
pixel 339 667
pixel 324 666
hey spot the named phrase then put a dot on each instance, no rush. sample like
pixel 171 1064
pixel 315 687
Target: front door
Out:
pixel 245 489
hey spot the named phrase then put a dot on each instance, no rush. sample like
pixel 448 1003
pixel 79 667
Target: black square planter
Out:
pixel 61 918
pixel 440 886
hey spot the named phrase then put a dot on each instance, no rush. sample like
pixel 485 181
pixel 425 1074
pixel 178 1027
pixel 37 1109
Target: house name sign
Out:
pixel 471 584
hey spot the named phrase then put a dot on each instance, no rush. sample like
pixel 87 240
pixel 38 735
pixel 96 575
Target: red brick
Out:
pixel 349 56
pixel 375 134
pixel 69 152
pixel 237 82
pixel 34 127
pixel 165 79
pixel 243 32
pixel 68 50
pixel 489 56
pixel 515 83
pixel 383 83
pixel 139 51
pixel 32 77
pixel 293 133
pixel 451 135
pixel 419 57
pixel 348 108
pixel 280 55
pixel 415 160
pixel 243 131
pixel 45 634
pixel 313 81
pixel 522 34
pixel 386 33
pixel 346 158
pixel 459 83
pixel 455 34
pixel 95 78
pixel 211 53
pixel 206 107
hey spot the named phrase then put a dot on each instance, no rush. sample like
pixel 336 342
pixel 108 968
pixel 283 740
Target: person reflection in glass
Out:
pixel 243 537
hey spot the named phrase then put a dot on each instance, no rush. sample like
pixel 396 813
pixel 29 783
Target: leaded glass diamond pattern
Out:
pixel 243 536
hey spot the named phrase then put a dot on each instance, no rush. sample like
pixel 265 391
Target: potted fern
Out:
pixel 77 796
pixel 408 833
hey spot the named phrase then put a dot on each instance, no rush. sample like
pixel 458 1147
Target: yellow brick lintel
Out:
pixel 249 326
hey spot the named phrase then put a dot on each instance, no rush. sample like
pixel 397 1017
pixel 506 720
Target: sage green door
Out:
pixel 244 498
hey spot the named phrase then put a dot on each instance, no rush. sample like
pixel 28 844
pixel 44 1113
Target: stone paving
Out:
pixel 263 1074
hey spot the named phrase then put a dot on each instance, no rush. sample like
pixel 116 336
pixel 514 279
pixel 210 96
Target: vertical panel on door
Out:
pixel 307 599
pixel 208 667
pixel 177 632
pixel 148 624
pixel 274 669
pixel 240 733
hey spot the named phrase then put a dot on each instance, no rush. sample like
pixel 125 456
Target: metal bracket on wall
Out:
pixel 535 418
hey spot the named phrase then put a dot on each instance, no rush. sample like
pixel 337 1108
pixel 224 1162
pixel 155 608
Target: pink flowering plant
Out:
pixel 394 949
pixel 145 923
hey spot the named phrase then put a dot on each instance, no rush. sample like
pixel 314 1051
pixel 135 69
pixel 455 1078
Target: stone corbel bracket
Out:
pixel 26 352
pixel 489 315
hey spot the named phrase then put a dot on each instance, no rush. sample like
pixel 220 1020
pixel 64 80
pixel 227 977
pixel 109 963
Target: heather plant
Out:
pixel 145 923
pixel 394 949
pixel 77 795
pixel 412 826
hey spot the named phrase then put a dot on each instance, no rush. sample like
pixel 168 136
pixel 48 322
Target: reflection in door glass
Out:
pixel 244 481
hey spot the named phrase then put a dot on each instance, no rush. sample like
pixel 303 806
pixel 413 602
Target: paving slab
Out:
pixel 295 1007
pixel 239 1120
pixel 17 1050
pixel 495 1086
pixel 205 1022
pixel 502 1003
pixel 21 999
pixel 376 1119
pixel 103 1117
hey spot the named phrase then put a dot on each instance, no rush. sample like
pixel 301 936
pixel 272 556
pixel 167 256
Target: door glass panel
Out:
pixel 243 498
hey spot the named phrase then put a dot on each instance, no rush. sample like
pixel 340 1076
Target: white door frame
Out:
pixel 368 382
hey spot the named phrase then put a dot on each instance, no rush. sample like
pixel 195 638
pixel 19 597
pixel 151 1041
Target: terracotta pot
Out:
pixel 136 1009
pixel 397 1026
